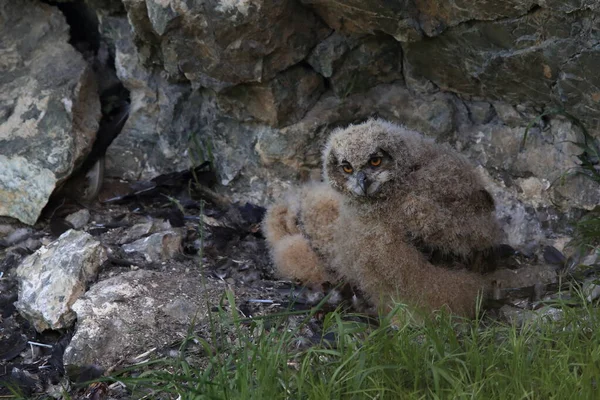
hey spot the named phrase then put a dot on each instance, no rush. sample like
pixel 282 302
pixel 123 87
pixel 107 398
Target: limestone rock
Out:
pixel 129 314
pixel 221 44
pixel 55 276
pixel 481 112
pixel 578 85
pixel 522 229
pixel 398 19
pixel 435 16
pixel 543 58
pixel 407 20
pixel 232 143
pixel 162 118
pixel 49 108
pixel 530 275
pixel 14 235
pixel 282 101
pixel 569 6
pixel 499 57
pixel 327 55
pixel 538 168
pixel 432 114
pixel 138 231
pixel 509 115
pixel 375 60
pixel 591 289
pixel 521 317
pixel 157 247
pixel 79 219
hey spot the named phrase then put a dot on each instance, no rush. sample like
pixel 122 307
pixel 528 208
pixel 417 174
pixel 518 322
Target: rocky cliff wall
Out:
pixel 259 84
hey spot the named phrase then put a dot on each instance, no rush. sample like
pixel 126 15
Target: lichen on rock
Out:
pixel 49 107
pixel 55 276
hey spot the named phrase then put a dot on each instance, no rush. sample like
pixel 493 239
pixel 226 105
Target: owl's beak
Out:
pixel 362 181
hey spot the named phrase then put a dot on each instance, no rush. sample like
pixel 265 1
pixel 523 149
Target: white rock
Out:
pixel 591 289
pixel 160 246
pixel 79 219
pixel 55 276
pixel 126 315
pixel 49 107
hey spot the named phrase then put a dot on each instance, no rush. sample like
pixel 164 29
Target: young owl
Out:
pixel 395 217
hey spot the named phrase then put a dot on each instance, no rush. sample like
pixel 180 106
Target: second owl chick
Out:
pixel 299 230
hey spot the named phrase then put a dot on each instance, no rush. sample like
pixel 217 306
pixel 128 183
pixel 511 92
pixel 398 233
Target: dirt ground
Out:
pixel 220 242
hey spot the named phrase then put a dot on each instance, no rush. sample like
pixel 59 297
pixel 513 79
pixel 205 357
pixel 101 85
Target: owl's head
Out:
pixel 366 161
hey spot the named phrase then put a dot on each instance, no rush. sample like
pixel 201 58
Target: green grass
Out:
pixel 438 358
pixel 587 231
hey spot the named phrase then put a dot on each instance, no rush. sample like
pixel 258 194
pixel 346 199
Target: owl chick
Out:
pixel 299 230
pixel 391 200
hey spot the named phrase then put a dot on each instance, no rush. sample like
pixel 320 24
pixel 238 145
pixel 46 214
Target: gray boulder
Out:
pixel 221 44
pixel 162 117
pixel 55 276
pixel 49 107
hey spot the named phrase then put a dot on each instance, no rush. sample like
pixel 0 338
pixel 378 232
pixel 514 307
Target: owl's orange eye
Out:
pixel 347 168
pixel 375 161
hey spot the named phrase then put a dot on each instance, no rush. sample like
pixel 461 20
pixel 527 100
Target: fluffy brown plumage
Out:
pixel 396 215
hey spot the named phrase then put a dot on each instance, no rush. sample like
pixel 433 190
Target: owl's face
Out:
pixel 365 161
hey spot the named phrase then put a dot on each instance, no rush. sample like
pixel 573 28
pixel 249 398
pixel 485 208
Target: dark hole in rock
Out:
pixel 83 25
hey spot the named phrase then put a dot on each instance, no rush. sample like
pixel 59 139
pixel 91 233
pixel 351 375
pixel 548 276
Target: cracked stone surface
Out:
pixel 373 61
pixel 160 246
pixel 411 20
pixel 273 102
pixel 49 108
pixel 127 315
pixel 541 58
pixel 155 138
pixel 220 44
pixel 55 276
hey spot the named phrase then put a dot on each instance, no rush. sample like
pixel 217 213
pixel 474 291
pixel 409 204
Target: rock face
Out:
pixel 54 277
pixel 163 115
pixel 273 102
pixel 122 317
pixel 374 61
pixel 233 41
pixel 409 20
pixel 541 58
pixel 49 108
pixel 256 87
